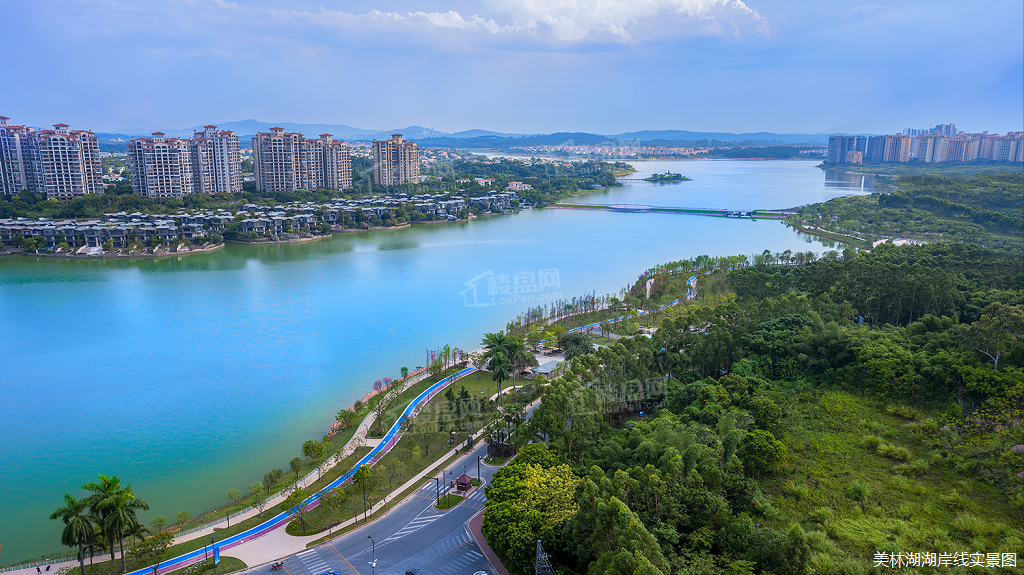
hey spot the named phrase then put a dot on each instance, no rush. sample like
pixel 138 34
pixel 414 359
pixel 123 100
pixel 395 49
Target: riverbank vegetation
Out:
pixel 983 209
pixel 813 418
pixel 980 167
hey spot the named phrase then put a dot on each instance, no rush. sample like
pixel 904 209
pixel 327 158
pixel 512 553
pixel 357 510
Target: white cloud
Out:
pixel 563 21
pixel 625 20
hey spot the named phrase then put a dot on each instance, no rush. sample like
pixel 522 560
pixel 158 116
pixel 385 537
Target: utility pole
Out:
pixel 373 564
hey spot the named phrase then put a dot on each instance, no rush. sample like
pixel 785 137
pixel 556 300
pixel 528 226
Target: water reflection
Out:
pixel 864 183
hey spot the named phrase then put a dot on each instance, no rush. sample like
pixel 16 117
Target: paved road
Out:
pixel 413 535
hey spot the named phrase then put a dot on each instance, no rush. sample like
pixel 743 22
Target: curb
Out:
pixel 473 526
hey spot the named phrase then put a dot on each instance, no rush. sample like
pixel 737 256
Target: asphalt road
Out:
pixel 413 535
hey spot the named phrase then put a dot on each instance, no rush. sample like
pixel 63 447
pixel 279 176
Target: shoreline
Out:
pixel 295 241
pixel 105 255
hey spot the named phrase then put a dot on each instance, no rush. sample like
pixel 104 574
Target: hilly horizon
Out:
pixel 480 138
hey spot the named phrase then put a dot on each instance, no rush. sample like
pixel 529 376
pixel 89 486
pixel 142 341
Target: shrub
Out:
pixel 894 452
pixel 822 514
pixel 858 491
pixel 796 491
pixel 763 504
pixel 903 412
pixel 872 441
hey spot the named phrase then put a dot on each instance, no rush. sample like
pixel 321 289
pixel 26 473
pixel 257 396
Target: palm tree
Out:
pixel 77 528
pixel 499 367
pixel 493 342
pixel 517 355
pixel 105 488
pixel 121 518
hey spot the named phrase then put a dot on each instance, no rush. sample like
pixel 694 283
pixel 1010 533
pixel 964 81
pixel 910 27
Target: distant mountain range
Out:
pixel 486 138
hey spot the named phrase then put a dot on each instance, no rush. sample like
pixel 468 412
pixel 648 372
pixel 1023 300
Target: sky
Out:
pixel 529 66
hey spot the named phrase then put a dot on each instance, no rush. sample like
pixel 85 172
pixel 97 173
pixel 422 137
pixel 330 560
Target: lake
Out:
pixel 190 376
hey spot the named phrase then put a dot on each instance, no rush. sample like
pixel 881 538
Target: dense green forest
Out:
pixel 983 209
pixel 828 418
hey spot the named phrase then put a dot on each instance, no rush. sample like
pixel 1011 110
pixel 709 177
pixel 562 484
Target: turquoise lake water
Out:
pixel 189 376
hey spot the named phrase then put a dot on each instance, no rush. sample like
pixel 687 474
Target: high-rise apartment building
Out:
pixel 161 168
pixel 947 130
pixel 221 159
pixel 14 152
pixel 888 148
pixel 395 161
pixel 930 148
pixel 839 146
pixel 61 163
pixel 207 163
pixel 286 162
pixel 963 148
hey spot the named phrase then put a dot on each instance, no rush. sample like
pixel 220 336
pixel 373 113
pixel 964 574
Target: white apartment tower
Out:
pixel 207 163
pixel 14 152
pixel 286 162
pixel 61 163
pixel 225 165
pixel 161 168
pixel 395 161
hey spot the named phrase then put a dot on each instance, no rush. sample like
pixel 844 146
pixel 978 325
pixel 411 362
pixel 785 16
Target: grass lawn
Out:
pixel 448 501
pixel 226 565
pixel 866 479
pixel 377 430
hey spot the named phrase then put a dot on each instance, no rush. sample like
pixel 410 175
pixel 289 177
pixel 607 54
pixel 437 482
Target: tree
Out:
pixel 798 552
pixel 315 451
pixel 114 507
pixel 183 517
pixel 762 453
pixel 121 516
pixel 296 466
pixel 576 344
pixel 499 367
pixel 77 528
pixel 996 333
pixel 526 503
pixel 346 417
pixel 294 502
pixel 271 478
pixel 158 524
pixel 405 372
pixel 333 501
pixel 384 401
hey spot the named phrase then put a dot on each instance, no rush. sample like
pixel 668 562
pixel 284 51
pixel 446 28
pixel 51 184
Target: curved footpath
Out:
pixel 386 443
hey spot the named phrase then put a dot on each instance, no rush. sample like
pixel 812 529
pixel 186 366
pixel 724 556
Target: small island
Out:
pixel 667 177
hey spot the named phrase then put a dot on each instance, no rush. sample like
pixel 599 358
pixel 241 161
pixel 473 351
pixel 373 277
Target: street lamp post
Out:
pixel 363 482
pixel 373 547
pixel 478 458
pixel 437 498
pixel 213 543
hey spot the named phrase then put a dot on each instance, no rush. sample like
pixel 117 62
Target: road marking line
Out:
pixel 478 556
pixel 306 552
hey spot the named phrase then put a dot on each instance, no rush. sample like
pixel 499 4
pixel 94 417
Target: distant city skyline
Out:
pixel 597 66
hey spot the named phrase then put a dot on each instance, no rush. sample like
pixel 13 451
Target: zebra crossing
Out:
pixel 458 556
pixel 312 561
pixel 413 526
pixel 475 500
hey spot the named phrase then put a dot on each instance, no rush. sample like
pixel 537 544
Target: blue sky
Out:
pixel 531 66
